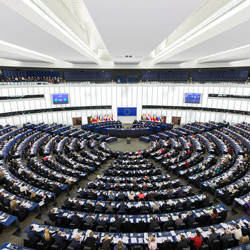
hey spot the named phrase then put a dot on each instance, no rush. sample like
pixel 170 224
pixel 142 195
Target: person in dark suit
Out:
pixel 213 236
pixel 60 240
pixel 121 196
pixel 117 223
pixel 183 243
pixel 101 197
pixel 83 193
pixel 21 211
pixel 178 205
pixel 99 207
pixel 179 221
pixel 91 194
pixel 188 204
pixel 109 207
pixel 90 219
pixel 91 241
pixel 76 219
pixel 225 238
pixel 102 222
pixel 145 208
pixel 122 208
pixel 154 223
pixel 190 220
pixel 246 229
pixel 164 207
pixel 107 186
pixel 88 206
pixel 151 196
pixel 76 243
pixel 33 236
pixel 168 223
pixel 206 201
pixel 179 192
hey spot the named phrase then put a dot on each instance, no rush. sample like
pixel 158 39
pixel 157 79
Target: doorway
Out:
pixel 176 120
pixel 77 121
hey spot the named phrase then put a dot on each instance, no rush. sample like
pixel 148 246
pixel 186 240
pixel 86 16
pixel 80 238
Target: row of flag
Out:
pixel 101 118
pixel 151 117
pixel 109 117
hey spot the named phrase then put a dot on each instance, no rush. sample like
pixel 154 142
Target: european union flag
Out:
pixel 127 111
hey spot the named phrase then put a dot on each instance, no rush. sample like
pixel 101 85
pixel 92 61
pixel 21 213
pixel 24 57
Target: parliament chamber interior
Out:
pixel 124 125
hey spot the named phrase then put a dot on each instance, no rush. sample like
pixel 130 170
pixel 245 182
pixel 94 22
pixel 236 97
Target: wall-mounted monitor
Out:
pixel 192 98
pixel 60 98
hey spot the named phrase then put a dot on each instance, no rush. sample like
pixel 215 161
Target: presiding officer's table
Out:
pixel 127 132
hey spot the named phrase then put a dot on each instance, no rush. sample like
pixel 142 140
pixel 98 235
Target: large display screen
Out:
pixel 192 98
pixel 60 98
pixel 127 111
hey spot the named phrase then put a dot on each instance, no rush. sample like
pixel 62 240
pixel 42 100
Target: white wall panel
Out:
pixel 108 95
pixel 120 95
pixel 154 95
pixel 123 96
pixel 87 96
pixel 150 97
pixel 98 95
pixel 168 95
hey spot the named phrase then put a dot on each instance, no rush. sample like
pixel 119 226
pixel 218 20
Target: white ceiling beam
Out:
pixel 10 63
pixel 193 64
pixel 21 51
pixel 95 40
pixel 37 12
pixel 63 21
pixel 29 54
pixel 241 63
pixel 233 13
pixel 4 62
pixel 236 52
pixel 187 65
pixel 207 9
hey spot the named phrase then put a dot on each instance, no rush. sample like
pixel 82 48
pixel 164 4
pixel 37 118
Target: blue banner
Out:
pixel 126 111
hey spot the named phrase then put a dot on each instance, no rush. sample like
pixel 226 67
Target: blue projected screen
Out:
pixel 127 111
pixel 192 98
pixel 60 98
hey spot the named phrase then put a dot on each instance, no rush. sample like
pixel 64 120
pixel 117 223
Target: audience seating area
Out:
pixel 136 197
pixel 30 76
pixel 12 75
